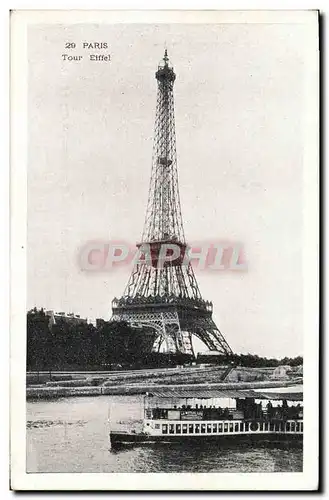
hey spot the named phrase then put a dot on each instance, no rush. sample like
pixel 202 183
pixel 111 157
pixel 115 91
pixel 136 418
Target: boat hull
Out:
pixel 123 439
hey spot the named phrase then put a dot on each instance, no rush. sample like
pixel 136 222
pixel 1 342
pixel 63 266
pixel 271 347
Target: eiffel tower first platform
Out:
pixel 166 297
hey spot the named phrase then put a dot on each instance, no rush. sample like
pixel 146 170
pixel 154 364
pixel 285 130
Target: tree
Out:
pixel 38 339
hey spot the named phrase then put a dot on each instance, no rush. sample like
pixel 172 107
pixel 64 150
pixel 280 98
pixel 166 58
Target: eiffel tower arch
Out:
pixel 160 294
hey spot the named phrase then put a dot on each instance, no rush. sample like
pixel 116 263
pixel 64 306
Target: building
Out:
pixel 71 318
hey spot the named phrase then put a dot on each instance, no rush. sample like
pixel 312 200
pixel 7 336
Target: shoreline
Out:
pixel 54 392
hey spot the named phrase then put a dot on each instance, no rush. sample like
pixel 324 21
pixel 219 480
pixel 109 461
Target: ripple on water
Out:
pixel 51 423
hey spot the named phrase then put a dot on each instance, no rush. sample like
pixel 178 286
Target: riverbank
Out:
pixel 53 392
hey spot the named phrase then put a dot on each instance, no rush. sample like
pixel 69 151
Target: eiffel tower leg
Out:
pixel 157 344
pixel 172 333
pixel 181 338
pixel 175 339
pixel 187 343
pixel 171 338
pixel 208 332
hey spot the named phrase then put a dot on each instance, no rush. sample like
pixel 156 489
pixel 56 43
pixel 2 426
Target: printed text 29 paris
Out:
pixel 87 45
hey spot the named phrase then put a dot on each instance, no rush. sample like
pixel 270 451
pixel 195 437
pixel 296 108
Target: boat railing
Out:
pixel 211 427
pixel 228 414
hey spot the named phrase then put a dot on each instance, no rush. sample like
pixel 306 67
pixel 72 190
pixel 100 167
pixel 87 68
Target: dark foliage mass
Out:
pixel 110 345
pixel 251 360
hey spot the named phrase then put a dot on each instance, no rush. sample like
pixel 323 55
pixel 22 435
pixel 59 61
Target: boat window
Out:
pixel 190 428
pixel 203 428
pixel 231 427
pixel 178 428
pixel 292 426
pixel 241 426
pixel 301 426
pixel 220 427
pixel 197 428
pixel 246 426
pixel 260 426
pixel 226 427
pixel 271 426
pixel 157 426
pixel 208 428
pixel 266 426
pixel 184 428
pixel 297 427
pixel 214 428
pixel 164 429
pixel 277 427
pixel 171 429
pixel 236 427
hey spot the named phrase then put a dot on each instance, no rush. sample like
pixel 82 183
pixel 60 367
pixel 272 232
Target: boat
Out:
pixel 176 415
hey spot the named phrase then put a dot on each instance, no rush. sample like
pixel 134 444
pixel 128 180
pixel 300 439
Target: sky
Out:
pixel 238 108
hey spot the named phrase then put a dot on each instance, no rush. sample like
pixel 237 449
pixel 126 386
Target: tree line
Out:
pixel 251 360
pixel 109 345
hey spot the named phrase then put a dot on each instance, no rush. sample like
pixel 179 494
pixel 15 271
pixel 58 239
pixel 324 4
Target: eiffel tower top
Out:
pixel 163 221
pixel 165 73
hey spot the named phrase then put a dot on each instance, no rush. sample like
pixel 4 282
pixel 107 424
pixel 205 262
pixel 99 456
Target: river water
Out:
pixel 72 435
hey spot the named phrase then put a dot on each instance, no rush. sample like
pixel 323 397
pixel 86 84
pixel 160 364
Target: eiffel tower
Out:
pixel 165 296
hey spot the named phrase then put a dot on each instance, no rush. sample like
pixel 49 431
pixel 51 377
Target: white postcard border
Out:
pixel 20 480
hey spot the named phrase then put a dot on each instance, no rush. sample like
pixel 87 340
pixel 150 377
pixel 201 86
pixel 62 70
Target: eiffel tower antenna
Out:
pixel 167 298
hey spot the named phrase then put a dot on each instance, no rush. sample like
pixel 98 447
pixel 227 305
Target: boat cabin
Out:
pixel 165 414
pixel 222 412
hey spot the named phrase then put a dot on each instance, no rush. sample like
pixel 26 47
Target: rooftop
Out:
pixel 215 393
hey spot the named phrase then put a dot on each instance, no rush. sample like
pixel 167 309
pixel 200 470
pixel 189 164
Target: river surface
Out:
pixel 72 435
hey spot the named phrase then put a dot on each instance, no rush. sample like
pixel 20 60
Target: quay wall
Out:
pixel 52 392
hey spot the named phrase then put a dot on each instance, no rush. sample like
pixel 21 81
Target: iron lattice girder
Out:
pixel 163 216
pixel 165 323
pixel 177 280
pixel 188 316
pixel 167 298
